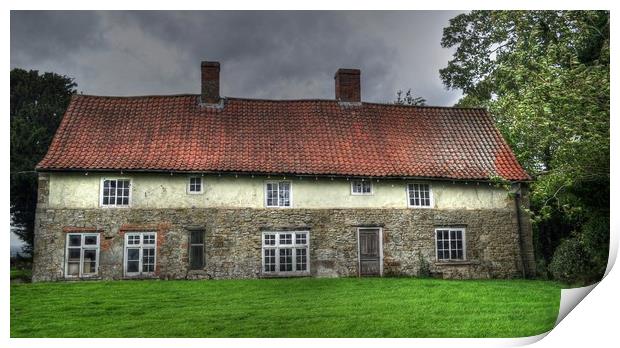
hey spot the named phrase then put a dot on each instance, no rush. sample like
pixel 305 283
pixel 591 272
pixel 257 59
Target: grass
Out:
pixel 307 307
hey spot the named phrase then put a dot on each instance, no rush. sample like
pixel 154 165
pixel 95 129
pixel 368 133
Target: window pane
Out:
pixel 270 260
pixel 90 261
pixel 148 260
pixel 133 239
pixel 196 237
pixel 286 260
pixel 196 256
pixel 90 240
pixel 133 254
pixel 367 187
pixel 284 193
pixel 270 239
pixel 300 238
pixel 73 268
pixel 300 256
pixel 148 239
pixel 286 238
pixel 133 259
pixel 133 266
pixel 74 254
pixel 453 254
pixel 75 240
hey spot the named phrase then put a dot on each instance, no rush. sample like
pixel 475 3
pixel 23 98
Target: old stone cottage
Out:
pixel 204 186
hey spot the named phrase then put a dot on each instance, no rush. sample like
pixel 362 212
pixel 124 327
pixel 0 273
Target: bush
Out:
pixel 595 240
pixel 424 267
pixel 571 263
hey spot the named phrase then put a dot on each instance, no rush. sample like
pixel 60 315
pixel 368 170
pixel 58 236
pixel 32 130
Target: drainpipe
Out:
pixel 519 227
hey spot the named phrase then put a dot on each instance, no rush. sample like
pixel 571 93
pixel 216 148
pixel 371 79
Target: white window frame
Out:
pixel 129 200
pixel 277 246
pixel 82 247
pixel 189 184
pixel 290 194
pixel 372 190
pixel 464 236
pixel 140 246
pixel 430 194
pixel 359 261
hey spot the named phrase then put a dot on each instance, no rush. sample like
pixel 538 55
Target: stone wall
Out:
pixel 233 239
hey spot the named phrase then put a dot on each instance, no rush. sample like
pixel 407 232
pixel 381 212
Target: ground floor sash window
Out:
pixel 450 244
pixel 140 253
pixel 285 252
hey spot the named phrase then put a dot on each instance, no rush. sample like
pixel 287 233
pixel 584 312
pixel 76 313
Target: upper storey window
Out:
pixel 278 194
pixel 420 195
pixel 361 187
pixel 115 192
pixel 194 185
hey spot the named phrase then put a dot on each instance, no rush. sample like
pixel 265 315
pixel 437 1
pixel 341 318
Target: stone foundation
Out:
pixel 233 240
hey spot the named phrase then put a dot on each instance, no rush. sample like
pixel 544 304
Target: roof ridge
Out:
pixel 278 100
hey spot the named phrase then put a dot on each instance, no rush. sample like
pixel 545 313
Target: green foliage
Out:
pixel 408 98
pixel 594 239
pixel 571 263
pixel 424 267
pixel 544 76
pixel 499 182
pixel 37 105
pixel 299 307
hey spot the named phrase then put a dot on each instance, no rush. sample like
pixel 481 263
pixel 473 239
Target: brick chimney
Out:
pixel 348 85
pixel 210 82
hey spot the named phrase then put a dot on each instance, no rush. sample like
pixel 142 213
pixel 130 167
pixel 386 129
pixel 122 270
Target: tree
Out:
pixel 37 105
pixel 544 76
pixel 408 98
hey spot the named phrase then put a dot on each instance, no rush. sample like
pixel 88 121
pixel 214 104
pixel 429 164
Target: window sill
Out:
pixel 456 263
pixel 148 276
pixel 284 274
pixel 83 278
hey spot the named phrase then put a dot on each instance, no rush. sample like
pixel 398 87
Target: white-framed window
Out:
pixel 450 244
pixel 194 185
pixel 140 253
pixel 286 252
pixel 419 195
pixel 361 187
pixel 82 255
pixel 278 194
pixel 115 192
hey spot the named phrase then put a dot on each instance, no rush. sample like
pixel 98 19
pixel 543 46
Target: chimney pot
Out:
pixel 348 85
pixel 210 82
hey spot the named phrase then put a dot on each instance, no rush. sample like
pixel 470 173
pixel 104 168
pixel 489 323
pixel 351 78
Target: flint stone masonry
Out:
pixel 233 240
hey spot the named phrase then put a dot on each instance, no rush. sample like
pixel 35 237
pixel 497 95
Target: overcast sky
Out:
pixel 277 55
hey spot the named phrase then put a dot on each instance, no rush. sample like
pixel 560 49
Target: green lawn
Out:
pixel 308 307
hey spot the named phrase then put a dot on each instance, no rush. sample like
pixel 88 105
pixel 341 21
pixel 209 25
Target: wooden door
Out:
pixel 369 251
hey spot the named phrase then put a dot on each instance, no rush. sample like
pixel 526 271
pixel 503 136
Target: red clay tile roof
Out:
pixel 314 137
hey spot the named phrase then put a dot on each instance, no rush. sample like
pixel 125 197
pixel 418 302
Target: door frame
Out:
pixel 359 261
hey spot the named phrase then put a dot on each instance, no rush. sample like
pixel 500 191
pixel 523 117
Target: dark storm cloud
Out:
pixel 263 54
